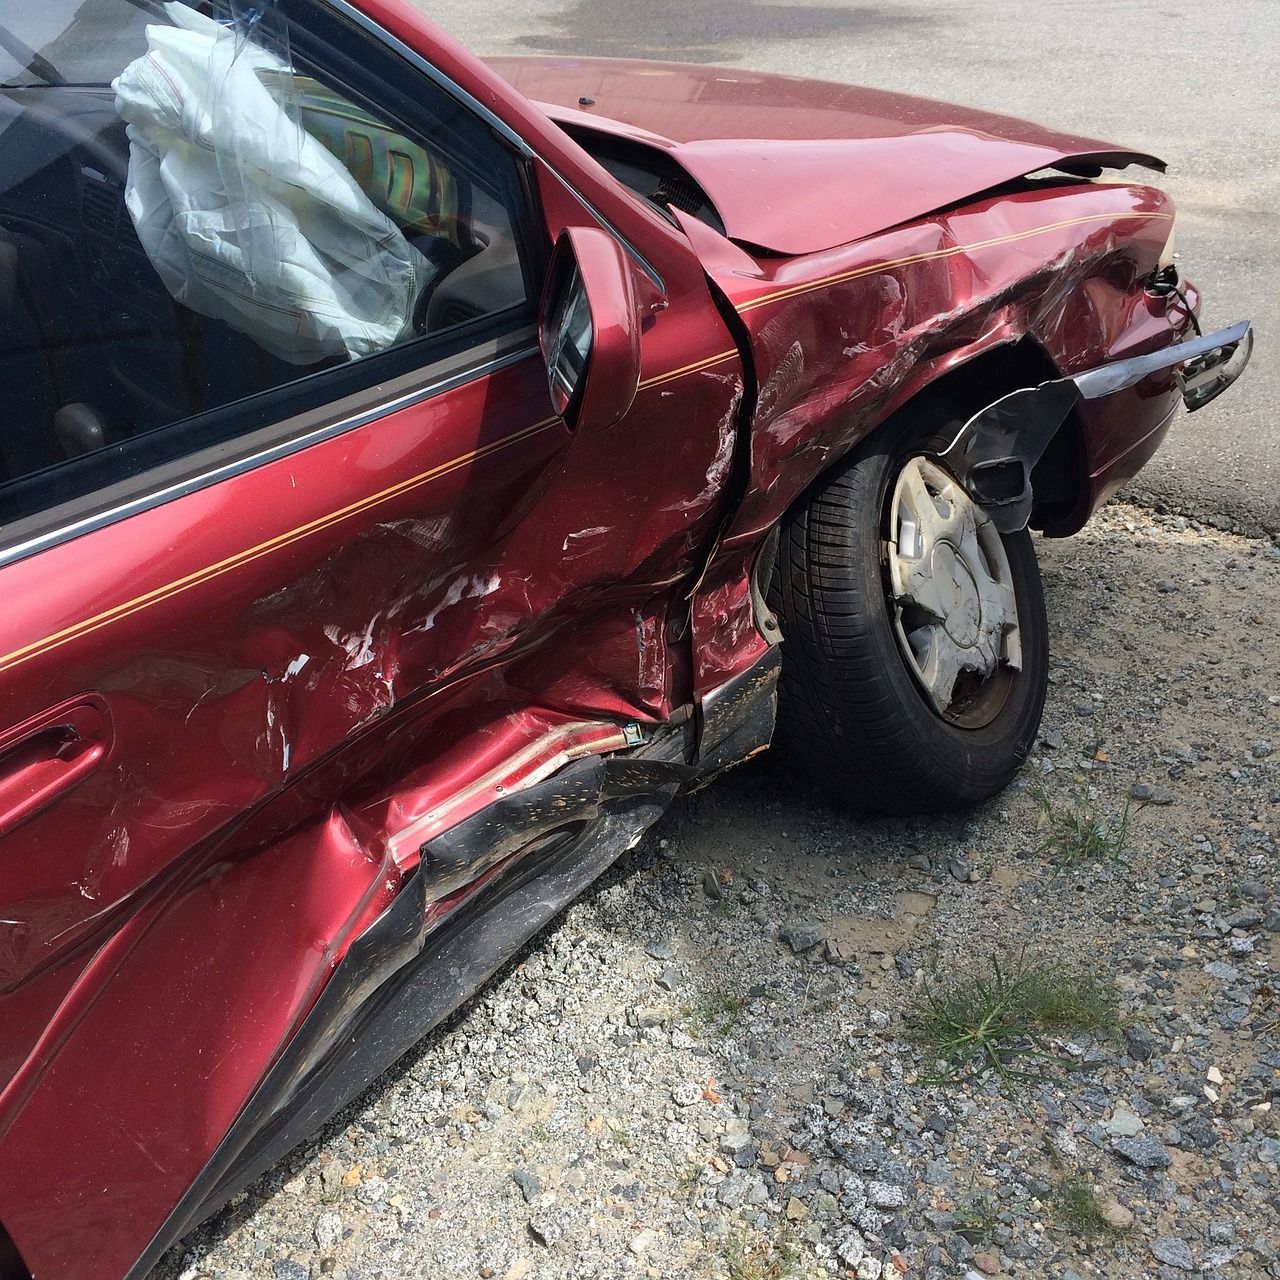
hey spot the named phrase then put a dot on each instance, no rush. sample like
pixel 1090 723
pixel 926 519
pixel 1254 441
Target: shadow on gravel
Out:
pixel 677 31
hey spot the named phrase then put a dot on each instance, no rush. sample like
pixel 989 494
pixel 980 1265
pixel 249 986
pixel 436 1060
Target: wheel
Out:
pixel 915 658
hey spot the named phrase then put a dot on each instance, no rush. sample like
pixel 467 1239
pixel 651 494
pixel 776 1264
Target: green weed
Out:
pixel 760 1259
pixel 996 1016
pixel 1078 1205
pixel 1076 832
pixel 715 1013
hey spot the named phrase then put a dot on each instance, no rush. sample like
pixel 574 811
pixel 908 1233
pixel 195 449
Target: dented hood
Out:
pixel 795 166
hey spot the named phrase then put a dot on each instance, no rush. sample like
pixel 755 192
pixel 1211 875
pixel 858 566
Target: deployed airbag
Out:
pixel 248 218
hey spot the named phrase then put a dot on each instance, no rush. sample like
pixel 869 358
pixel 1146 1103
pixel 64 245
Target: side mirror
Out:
pixel 590 329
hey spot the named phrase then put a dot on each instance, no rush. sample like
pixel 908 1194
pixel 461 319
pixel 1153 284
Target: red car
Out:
pixel 416 472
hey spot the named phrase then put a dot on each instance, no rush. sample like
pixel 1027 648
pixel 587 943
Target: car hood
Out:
pixel 795 166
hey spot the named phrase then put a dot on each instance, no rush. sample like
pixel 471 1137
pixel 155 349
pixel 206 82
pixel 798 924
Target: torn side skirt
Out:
pixel 481 890
pixel 366 1017
pixel 413 966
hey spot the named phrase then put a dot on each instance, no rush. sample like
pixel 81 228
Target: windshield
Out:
pixel 81 42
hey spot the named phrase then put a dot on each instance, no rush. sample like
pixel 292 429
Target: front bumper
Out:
pixel 1206 377
pixel 1205 367
pixel 995 452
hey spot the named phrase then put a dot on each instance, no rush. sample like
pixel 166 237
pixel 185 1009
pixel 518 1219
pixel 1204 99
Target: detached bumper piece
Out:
pixel 995 452
pixel 1206 377
pixel 1210 364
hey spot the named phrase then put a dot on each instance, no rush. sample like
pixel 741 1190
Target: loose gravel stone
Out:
pixel 1145 1152
pixel 1140 1043
pixel 1249 918
pixel 1123 1124
pixel 642 1241
pixel 328 1230
pixel 884 1195
pixel 685 1094
pixel 1173 1252
pixel 548 1228
pixel 802 935
pixel 1117 1216
pixel 850 1247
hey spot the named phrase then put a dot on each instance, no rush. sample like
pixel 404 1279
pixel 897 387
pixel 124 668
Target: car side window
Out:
pixel 249 219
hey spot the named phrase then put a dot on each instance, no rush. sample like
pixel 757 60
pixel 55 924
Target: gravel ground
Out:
pixel 706 1066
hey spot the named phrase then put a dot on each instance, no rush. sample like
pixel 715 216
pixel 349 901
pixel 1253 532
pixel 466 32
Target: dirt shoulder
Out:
pixel 706 1067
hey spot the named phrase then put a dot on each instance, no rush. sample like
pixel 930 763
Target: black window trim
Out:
pixel 433 73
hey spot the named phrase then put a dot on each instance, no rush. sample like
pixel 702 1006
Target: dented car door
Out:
pixel 233 670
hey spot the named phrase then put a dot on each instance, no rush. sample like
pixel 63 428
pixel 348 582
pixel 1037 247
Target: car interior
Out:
pixel 93 348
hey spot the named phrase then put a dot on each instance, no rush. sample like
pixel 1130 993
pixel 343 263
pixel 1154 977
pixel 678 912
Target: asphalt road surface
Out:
pixel 1193 82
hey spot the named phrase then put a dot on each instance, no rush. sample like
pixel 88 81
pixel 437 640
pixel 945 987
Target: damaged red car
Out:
pixel 416 472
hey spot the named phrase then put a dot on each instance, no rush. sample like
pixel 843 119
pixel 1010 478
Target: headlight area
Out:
pixel 1166 281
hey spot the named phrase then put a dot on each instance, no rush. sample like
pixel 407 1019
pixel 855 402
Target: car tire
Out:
pixel 858 697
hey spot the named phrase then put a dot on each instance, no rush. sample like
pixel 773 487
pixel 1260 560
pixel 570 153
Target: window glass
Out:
pixel 216 214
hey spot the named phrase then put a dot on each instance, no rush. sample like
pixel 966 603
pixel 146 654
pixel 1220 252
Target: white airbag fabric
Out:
pixel 246 216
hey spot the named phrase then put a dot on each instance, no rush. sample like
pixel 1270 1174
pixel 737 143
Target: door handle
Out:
pixel 42 758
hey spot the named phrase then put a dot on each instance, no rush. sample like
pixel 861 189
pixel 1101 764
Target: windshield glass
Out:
pixel 81 42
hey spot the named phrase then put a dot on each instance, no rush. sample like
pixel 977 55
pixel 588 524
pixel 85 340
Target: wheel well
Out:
pixel 1057 481
pixel 11 1265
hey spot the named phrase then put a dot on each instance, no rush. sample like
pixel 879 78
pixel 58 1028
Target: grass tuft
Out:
pixel 977 1219
pixel 724 908
pixel 760 1259
pixel 1077 1203
pixel 995 1017
pixel 1076 832
pixel 715 1013
pixel 617 1135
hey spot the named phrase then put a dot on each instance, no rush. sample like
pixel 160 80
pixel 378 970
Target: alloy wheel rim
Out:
pixel 951 595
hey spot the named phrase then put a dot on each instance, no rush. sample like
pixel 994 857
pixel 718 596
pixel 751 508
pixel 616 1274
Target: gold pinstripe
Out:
pixel 158 594
pixel 926 256
pixel 825 282
pixel 696 367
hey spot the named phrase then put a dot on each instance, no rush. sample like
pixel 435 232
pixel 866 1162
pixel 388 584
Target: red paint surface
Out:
pixel 301 680
pixel 798 165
